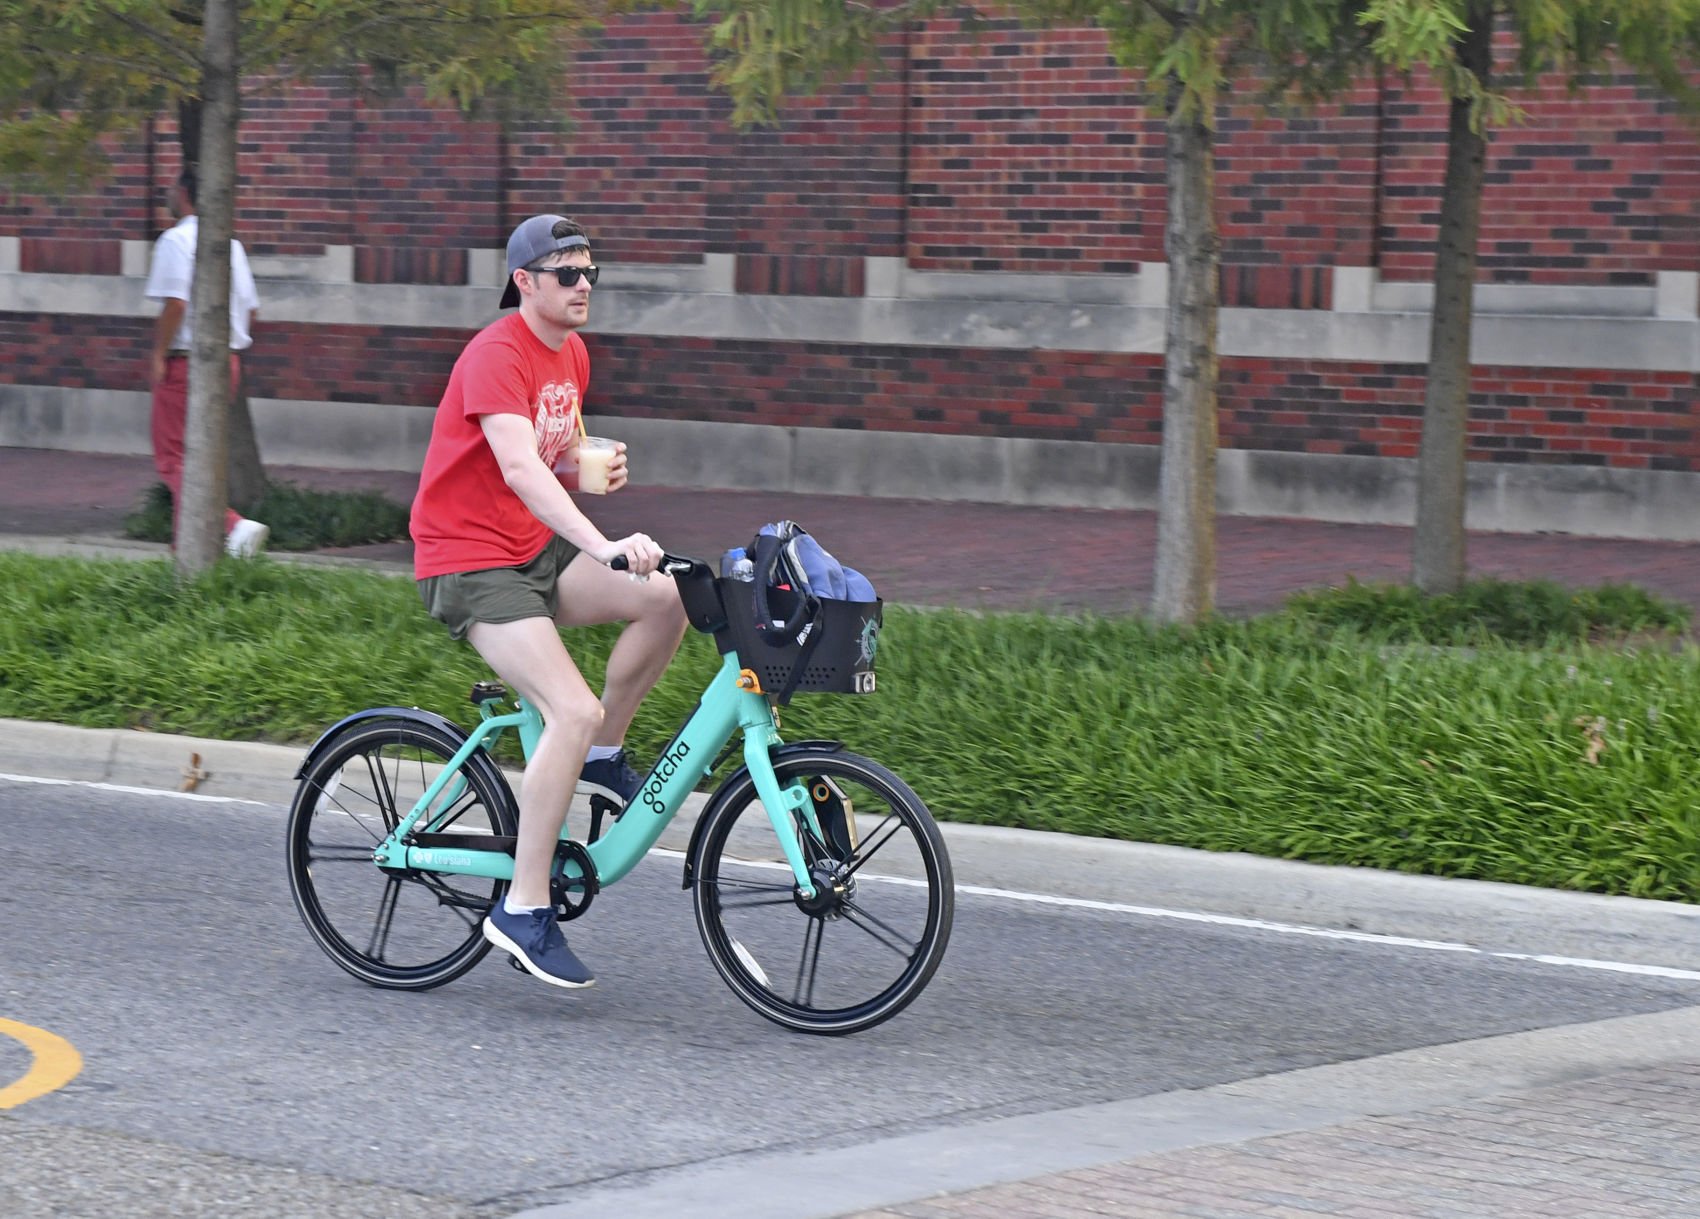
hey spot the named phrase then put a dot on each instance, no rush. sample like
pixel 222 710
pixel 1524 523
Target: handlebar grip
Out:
pixel 671 564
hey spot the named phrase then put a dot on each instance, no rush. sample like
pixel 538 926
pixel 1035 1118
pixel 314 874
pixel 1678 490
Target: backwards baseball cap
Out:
pixel 535 239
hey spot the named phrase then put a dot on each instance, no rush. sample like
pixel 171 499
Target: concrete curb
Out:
pixel 239 770
pixel 103 546
pixel 1137 878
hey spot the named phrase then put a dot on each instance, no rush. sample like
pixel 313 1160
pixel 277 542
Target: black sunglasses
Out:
pixel 568 275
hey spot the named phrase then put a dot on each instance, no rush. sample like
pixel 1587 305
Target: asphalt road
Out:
pixel 156 935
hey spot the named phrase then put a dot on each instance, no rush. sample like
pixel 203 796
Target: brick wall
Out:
pixel 298 169
pixel 79 233
pixel 1636 420
pixel 1029 151
pixel 1016 151
pixel 1600 187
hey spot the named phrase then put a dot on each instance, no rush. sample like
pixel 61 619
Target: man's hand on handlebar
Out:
pixel 637 554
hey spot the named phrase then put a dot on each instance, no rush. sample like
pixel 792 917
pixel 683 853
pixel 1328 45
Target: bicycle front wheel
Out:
pixel 403 930
pixel 868 942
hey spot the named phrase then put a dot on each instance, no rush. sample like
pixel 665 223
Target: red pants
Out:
pixel 170 409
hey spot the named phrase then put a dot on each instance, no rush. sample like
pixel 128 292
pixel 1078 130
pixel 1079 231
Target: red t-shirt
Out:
pixel 464 517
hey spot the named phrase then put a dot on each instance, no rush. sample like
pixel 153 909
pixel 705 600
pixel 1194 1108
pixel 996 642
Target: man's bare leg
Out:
pixel 529 656
pixel 591 594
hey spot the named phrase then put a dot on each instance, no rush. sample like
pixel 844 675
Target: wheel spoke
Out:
pixel 338 854
pixel 892 938
pixel 749 893
pixel 453 811
pixel 339 806
pixel 815 848
pixel 457 900
pixel 384 796
pixel 809 965
pixel 863 856
pixel 762 886
pixel 755 903
pixel 385 919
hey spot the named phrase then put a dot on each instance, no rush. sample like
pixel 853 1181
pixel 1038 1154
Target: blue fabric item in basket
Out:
pixel 825 575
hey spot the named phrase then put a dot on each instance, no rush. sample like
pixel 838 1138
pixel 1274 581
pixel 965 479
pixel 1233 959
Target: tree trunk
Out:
pixel 1437 555
pixel 200 516
pixel 243 466
pixel 1185 586
pixel 247 474
pixel 189 129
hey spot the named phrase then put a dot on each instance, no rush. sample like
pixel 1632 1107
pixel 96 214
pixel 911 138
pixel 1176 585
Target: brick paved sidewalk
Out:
pixel 1620 1146
pixel 985 556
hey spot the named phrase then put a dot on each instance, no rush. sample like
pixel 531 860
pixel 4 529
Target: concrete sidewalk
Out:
pixel 1595 1120
pixel 921 552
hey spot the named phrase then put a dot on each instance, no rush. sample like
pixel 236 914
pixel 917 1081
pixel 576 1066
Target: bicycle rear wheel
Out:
pixel 403 930
pixel 868 943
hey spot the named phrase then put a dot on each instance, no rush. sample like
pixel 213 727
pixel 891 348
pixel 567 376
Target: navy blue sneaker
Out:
pixel 612 777
pixel 536 942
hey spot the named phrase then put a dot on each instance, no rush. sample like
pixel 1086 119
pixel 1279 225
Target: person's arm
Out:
pixel 242 287
pixel 513 440
pixel 164 330
pixel 170 271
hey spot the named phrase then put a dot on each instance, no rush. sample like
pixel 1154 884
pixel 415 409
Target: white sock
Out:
pixel 599 752
pixel 513 907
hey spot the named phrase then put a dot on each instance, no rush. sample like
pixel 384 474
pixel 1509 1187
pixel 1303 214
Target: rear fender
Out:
pixel 428 718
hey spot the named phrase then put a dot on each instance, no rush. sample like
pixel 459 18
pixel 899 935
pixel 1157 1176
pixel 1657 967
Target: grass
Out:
pixel 1554 742
pixel 300 518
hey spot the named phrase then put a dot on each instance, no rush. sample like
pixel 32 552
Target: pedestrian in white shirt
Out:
pixel 169 279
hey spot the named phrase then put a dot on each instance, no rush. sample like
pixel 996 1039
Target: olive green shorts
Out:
pixel 499 594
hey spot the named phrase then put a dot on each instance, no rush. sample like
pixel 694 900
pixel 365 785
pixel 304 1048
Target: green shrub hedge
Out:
pixel 1361 726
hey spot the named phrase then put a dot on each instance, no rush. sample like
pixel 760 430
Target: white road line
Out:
pixel 1257 924
pixel 132 791
pixel 1077 903
pixel 1327 933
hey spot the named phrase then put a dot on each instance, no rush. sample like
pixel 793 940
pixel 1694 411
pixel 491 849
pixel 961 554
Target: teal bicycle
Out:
pixel 821 885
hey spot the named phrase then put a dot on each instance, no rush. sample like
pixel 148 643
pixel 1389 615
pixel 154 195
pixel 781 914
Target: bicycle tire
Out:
pixel 748 908
pixel 360 783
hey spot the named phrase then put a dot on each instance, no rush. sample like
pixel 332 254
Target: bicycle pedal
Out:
pixel 516 963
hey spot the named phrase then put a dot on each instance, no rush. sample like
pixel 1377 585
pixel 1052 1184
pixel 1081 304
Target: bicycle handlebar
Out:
pixel 767 560
pixel 671 564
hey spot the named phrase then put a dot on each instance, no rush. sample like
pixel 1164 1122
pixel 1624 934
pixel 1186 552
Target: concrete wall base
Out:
pixel 1591 501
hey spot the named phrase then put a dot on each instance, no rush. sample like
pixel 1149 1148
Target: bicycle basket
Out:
pixel 832 654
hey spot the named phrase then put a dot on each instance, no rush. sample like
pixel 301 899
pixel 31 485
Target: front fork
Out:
pixel 761 733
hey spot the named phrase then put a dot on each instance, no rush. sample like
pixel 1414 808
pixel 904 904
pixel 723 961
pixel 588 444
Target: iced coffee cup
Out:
pixel 589 460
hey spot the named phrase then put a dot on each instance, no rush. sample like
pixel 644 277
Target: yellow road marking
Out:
pixel 56 1063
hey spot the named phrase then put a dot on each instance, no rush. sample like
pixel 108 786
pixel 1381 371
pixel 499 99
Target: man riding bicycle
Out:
pixel 504 557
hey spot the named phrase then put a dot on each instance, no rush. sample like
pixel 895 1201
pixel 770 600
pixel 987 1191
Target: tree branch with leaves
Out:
pixel 1185 52
pixel 73 72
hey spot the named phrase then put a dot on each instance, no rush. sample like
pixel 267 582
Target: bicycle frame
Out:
pixel 730 704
